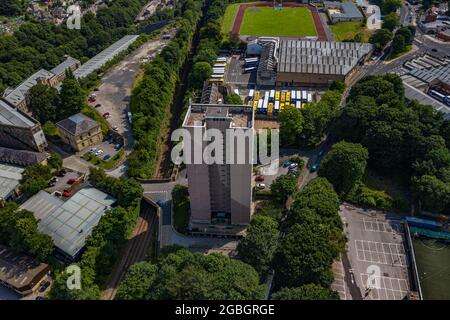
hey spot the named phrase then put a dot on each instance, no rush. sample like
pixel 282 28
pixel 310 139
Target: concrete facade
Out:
pixel 220 193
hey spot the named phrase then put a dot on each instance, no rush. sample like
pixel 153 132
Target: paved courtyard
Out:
pixel 378 262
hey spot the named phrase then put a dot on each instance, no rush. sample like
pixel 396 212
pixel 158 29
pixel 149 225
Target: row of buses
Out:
pixel 218 70
pixel 439 96
pixel 272 102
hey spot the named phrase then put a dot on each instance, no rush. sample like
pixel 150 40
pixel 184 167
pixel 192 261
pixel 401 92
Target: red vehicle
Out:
pixel 92 99
pixel 66 194
pixel 259 178
pixel 106 115
pixel 71 181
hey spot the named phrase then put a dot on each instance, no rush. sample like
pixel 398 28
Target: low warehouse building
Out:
pixel 319 63
pixel 343 11
pixel 10 177
pixel 20 272
pixel 69 222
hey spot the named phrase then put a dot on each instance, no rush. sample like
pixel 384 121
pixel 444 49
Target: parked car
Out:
pixel 115 129
pixel 106 115
pixel 259 178
pixel 98 105
pixel 118 146
pixel 260 185
pixel 40 298
pixel 287 164
pixel 66 194
pixel 50 184
pixel 314 167
pixel 106 157
pixel 71 181
pixel 62 173
pixel 293 165
pixel 44 286
pixel 57 194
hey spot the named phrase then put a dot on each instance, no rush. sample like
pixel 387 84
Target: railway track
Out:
pixel 134 251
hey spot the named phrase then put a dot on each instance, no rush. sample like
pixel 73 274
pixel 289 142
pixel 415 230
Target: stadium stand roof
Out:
pixel 320 57
pixel 103 57
pixel 69 222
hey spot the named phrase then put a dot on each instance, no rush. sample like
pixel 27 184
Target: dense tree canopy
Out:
pixel 306 292
pixel 284 186
pixel 380 38
pixel 391 21
pixel 402 137
pixel 185 275
pixel 19 230
pixel 259 245
pixel 344 165
pixel 291 125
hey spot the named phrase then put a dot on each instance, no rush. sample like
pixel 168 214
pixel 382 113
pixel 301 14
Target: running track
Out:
pixel 315 14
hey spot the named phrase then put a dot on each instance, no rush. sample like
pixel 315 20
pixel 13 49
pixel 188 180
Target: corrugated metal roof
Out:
pixel 320 57
pixel 17 95
pixel 13 117
pixel 100 59
pixel 10 177
pixel 69 222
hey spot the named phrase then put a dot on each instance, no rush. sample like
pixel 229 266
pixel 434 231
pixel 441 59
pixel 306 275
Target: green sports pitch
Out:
pixel 287 22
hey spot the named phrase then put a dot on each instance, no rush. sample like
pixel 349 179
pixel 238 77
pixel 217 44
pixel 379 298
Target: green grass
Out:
pixel 288 22
pixel 348 30
pixel 92 158
pixel 93 114
pixel 229 16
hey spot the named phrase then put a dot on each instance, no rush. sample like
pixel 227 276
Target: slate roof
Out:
pixel 77 124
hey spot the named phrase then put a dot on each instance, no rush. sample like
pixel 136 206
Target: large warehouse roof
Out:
pixel 103 57
pixel 13 117
pixel 69 222
pixel 349 10
pixel 320 57
pixel 10 177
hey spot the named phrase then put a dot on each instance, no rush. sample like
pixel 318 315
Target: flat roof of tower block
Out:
pixel 240 116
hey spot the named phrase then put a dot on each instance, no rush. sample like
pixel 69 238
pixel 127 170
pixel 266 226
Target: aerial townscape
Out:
pixel 224 150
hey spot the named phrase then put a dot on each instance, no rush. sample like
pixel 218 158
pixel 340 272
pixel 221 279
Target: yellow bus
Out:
pixel 283 96
pixel 277 95
pixel 256 97
pixel 255 104
pixel 270 109
pixel 288 97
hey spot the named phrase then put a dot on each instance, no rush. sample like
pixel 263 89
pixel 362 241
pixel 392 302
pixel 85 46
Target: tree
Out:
pixel 344 165
pixel 391 21
pixel 380 38
pixel 406 33
pixel 388 6
pixel 433 193
pixel 139 281
pixel 55 161
pixel 283 186
pixel 20 232
pixel 259 245
pixel 43 102
pixel 233 98
pixel 398 44
pixel 291 125
pixel 181 274
pixel 10 7
pixel 304 256
pixel 200 72
pixel 72 97
pixel 306 292
pixel 34 179
pixel 338 85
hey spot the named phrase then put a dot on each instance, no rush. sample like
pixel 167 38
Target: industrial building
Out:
pixel 103 57
pixel 69 222
pixel 18 96
pixel 20 131
pixel 80 131
pixel 20 272
pixel 342 11
pixel 10 177
pixel 22 158
pixel 296 63
pixel 220 192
